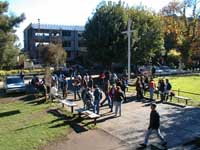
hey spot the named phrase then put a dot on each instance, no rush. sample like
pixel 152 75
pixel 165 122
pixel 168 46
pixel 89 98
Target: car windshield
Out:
pixel 14 80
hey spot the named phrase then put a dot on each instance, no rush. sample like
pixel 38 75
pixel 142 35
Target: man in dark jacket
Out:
pixel 154 126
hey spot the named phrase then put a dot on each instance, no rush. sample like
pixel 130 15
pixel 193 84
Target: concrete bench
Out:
pixel 183 98
pixel 88 113
pixel 69 104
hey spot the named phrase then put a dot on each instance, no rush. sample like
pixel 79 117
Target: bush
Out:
pixel 4 73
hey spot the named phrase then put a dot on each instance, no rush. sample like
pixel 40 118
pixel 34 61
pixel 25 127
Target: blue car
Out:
pixel 14 84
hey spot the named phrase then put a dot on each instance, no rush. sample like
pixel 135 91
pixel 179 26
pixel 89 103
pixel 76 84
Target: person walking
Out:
pixel 118 101
pixel 97 98
pixel 106 92
pixel 154 125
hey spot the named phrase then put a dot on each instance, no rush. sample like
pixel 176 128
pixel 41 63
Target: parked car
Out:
pixel 14 84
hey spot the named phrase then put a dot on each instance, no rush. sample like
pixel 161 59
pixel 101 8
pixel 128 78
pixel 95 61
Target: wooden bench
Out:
pixel 183 98
pixel 69 104
pixel 88 113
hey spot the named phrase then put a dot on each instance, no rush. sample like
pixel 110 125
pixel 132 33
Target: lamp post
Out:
pixel 39 40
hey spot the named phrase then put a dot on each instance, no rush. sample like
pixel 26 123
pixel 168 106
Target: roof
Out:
pixel 57 27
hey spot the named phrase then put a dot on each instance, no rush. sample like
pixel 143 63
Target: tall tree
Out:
pixel 8 49
pixel 181 29
pixel 148 41
pixel 105 42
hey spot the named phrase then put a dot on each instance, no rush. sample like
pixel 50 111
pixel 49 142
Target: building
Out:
pixel 69 36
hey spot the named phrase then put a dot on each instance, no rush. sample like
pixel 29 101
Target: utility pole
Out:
pixel 39 40
pixel 128 32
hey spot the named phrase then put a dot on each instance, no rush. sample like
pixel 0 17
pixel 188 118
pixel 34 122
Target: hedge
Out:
pixel 4 73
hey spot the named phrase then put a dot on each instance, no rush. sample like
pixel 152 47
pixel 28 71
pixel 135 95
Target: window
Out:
pixel 67 44
pixel 66 33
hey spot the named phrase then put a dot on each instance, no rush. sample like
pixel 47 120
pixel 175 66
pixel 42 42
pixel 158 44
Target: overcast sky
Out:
pixel 65 12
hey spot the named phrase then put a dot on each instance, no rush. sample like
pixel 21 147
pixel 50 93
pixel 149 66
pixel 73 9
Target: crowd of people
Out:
pixel 162 89
pixel 110 89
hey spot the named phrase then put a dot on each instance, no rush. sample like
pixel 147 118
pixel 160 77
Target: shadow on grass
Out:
pixel 72 121
pixel 9 113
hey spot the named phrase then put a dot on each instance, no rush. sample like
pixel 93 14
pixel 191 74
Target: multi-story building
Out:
pixel 69 36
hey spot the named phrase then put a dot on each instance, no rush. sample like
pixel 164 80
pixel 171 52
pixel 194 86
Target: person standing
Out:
pixel 90 83
pixel 112 96
pixel 65 87
pixel 97 98
pixel 162 90
pixel 168 88
pixel 118 101
pixel 76 86
pixel 154 125
pixel 152 86
pixel 138 87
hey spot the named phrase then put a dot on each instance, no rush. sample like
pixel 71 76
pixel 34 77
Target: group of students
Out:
pixel 94 96
pixel 143 85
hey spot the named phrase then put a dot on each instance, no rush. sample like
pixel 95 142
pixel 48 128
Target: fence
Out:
pixel 194 96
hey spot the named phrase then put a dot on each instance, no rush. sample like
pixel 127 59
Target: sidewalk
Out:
pixel 90 140
pixel 178 125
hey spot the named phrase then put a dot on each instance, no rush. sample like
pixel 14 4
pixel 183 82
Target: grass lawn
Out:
pixel 27 126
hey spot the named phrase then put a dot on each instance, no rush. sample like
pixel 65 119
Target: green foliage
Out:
pixel 173 57
pixel 181 30
pixel 52 54
pixel 148 41
pixel 4 73
pixel 106 43
pixel 8 49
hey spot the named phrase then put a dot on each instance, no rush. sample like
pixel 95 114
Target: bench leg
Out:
pixel 186 101
pixel 72 109
pixel 95 121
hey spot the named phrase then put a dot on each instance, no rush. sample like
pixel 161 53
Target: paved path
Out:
pixel 178 124
pixel 90 140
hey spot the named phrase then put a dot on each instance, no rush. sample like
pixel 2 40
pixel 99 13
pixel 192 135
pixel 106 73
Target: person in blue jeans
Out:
pixel 154 126
pixel 118 101
pixel 97 98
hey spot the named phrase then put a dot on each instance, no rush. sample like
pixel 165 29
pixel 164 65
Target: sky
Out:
pixel 64 12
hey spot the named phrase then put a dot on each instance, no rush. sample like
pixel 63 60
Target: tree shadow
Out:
pixel 181 125
pixel 73 122
pixel 9 113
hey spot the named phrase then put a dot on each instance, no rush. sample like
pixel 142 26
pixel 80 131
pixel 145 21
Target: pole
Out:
pixel 129 50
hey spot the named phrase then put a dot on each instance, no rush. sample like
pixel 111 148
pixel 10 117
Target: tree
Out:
pixel 8 49
pixel 148 41
pixel 105 42
pixel 52 54
pixel 181 29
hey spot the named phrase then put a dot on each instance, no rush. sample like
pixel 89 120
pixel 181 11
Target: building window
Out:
pixel 80 34
pixel 81 44
pixel 67 44
pixel 66 33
